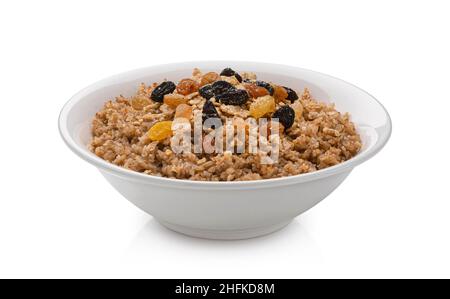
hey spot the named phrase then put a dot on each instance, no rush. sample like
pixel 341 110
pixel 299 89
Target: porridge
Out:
pixel 137 132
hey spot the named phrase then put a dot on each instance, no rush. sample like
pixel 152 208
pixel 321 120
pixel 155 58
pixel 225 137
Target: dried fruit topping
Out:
pixel 139 102
pixel 187 86
pixel 229 73
pixel 184 111
pixel 285 115
pixel 298 108
pixel 262 106
pixel 206 91
pixel 196 72
pixel 160 131
pixel 232 80
pixel 173 100
pixel 161 90
pixel 209 78
pixel 248 76
pixel 209 111
pixel 291 94
pixel 224 92
pixel 219 87
pixel 233 97
pixel 266 86
pixel 280 93
pixel 255 91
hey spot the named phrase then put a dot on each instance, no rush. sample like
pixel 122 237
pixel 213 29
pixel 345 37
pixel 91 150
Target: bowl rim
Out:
pixel 118 171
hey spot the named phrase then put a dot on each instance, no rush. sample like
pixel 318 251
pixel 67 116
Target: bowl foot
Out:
pixel 231 234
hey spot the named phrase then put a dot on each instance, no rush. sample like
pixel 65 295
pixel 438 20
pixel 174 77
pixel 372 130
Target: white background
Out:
pixel 60 218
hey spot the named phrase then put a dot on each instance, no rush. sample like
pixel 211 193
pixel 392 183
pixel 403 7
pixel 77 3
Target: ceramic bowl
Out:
pixel 226 210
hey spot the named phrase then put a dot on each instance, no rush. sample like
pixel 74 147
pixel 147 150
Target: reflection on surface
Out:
pixel 293 239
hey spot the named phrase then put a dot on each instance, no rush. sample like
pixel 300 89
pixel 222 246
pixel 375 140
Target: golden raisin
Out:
pixel 298 108
pixel 173 100
pixel 139 102
pixel 280 93
pixel 262 106
pixel 196 72
pixel 184 111
pixel 209 78
pixel 255 91
pixel 160 131
pixel 232 80
pixel 187 86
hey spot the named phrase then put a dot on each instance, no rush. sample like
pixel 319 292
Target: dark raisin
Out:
pixel 209 111
pixel 206 91
pixel 266 86
pixel 285 115
pixel 249 81
pixel 229 73
pixel 219 87
pixel 233 97
pixel 292 95
pixel 161 90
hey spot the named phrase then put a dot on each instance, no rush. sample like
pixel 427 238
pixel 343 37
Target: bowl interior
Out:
pixel 370 117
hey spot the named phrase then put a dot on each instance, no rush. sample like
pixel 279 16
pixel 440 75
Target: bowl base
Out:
pixel 238 234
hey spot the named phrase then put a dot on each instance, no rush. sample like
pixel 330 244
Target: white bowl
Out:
pixel 226 210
